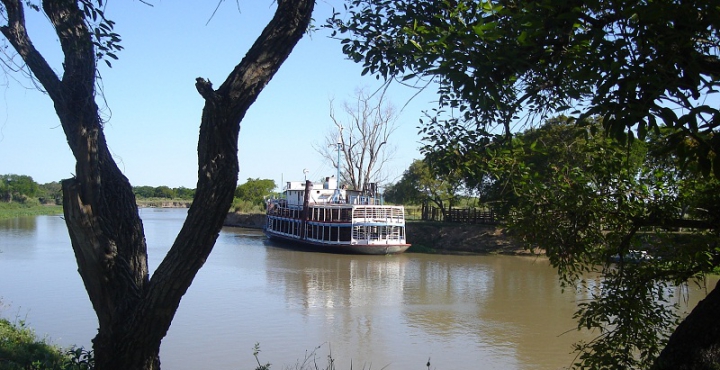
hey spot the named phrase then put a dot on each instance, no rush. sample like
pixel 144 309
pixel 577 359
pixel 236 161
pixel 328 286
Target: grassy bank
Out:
pixel 163 202
pixel 12 210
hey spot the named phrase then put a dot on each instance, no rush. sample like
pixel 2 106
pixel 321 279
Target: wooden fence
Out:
pixel 459 215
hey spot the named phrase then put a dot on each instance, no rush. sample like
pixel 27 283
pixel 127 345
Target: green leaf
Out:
pixel 415 43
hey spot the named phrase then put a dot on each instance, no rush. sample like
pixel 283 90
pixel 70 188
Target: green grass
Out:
pixel 160 202
pixel 12 210
pixel 21 349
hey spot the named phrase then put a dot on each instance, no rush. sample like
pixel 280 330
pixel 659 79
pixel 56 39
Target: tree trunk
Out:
pixel 695 343
pixel 134 312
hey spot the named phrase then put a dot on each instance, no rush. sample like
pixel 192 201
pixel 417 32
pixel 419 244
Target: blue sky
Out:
pixel 154 110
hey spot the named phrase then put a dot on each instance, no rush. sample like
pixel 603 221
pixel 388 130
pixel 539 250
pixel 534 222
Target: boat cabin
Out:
pixel 326 192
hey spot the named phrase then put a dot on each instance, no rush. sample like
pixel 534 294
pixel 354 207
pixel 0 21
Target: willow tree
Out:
pixel 643 66
pixel 134 310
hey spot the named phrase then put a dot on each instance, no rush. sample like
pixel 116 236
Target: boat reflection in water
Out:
pixel 399 310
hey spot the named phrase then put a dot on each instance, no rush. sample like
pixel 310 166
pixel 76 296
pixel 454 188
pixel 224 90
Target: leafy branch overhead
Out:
pixel 639 65
pixel 106 41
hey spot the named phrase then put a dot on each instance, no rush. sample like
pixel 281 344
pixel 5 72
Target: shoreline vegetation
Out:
pixel 163 203
pixel 21 348
pixel 27 209
pixel 13 210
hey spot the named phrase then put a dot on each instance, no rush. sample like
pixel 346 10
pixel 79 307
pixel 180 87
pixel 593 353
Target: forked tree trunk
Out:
pixel 134 311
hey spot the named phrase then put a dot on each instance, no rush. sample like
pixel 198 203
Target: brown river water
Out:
pixel 367 312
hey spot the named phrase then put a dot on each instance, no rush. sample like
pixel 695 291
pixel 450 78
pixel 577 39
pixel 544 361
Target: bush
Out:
pixel 246 206
pixel 21 349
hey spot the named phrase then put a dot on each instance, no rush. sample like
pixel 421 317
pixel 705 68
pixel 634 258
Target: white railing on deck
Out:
pixel 378 214
pixel 378 234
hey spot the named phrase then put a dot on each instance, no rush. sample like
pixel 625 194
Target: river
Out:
pixel 371 312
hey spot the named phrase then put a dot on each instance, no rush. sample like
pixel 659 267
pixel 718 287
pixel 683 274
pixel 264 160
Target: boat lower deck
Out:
pixel 309 245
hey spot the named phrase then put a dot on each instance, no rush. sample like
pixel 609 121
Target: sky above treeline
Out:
pixel 153 110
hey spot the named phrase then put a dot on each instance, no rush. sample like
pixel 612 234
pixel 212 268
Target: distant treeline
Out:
pixel 22 188
pixel 163 192
pixel 21 191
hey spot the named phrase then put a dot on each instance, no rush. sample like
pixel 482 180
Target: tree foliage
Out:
pixel 363 136
pixel 163 191
pixel 22 187
pixel 648 70
pixel 586 199
pixel 638 65
pixel 15 187
pixel 421 184
pixel 255 191
pixel 50 193
pixel 541 151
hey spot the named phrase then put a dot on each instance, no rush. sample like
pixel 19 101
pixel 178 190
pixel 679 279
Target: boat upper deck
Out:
pixel 342 213
pixel 326 203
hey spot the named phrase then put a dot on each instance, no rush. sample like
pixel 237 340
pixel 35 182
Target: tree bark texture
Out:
pixel 695 343
pixel 134 311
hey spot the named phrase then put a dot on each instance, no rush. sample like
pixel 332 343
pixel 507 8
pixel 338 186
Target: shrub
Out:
pixel 245 206
pixel 21 349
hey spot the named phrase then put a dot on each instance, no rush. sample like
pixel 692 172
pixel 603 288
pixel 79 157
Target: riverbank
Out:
pixel 163 203
pixel 15 209
pixel 428 237
pixel 455 238
pixel 12 210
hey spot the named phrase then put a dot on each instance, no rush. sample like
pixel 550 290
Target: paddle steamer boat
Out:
pixel 325 217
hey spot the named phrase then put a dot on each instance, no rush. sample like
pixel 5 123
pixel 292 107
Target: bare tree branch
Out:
pixel 364 134
pixel 17 35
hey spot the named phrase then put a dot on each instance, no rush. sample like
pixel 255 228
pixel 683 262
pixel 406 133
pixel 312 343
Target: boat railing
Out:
pixel 387 214
pixel 378 234
pixel 331 214
pixel 357 214
pixel 365 200
pixel 282 210
pixel 354 200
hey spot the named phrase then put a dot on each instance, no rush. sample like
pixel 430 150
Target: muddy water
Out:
pixel 461 312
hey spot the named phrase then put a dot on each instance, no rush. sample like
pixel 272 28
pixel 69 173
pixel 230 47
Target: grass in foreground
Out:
pixel 20 349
